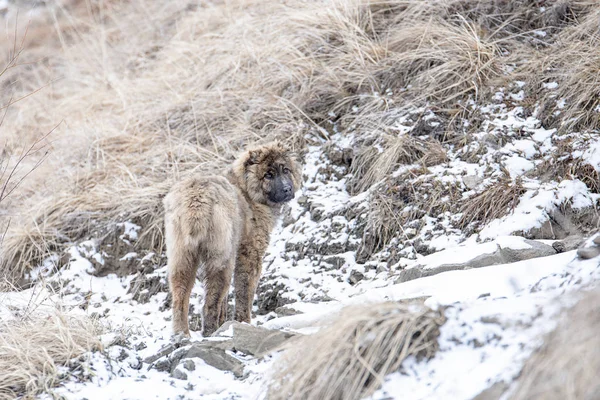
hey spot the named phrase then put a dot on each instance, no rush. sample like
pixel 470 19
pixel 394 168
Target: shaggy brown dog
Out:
pixel 222 224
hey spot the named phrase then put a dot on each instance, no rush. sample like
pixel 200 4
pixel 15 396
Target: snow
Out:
pixel 534 206
pixel 496 317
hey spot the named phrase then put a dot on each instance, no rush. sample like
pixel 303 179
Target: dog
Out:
pixel 219 226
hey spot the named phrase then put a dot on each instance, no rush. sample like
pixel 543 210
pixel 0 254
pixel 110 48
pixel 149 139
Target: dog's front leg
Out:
pixel 247 274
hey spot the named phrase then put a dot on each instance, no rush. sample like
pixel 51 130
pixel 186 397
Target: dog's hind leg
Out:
pixel 217 278
pixel 183 265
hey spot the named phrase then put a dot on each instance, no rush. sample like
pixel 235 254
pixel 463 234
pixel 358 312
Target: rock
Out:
pixel 140 346
pixel 179 374
pixel 586 253
pixel 257 341
pixel 168 349
pixel 286 311
pixel 189 365
pixel 503 255
pixel 567 244
pixel 596 240
pixel 215 357
pixel 355 277
pixel 559 247
pixel 494 392
pixel 162 365
pixel 335 261
pixel 269 297
pixel 537 249
pixel 302 200
pixel 224 330
pixel 472 181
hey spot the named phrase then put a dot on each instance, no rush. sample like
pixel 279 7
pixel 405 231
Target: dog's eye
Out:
pixel 286 171
pixel 268 175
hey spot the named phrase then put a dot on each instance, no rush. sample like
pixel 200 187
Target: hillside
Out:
pixel 450 157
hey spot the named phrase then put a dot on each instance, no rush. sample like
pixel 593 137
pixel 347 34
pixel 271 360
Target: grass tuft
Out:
pixel 349 358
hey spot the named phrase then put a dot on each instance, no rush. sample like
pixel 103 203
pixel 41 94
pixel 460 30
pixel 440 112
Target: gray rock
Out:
pixel 537 250
pixel 166 350
pixel 559 247
pixel 355 277
pixel 257 341
pixel 286 311
pixel 596 240
pixel 215 357
pixel 500 256
pixel 189 365
pixel 494 392
pixel 586 253
pixel 179 374
pixel 567 244
pixel 223 328
pixel 162 365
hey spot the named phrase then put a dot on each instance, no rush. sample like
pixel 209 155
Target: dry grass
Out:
pixel 349 358
pixel 372 166
pixel 493 202
pixel 563 165
pixel 568 364
pixel 33 349
pixel 402 200
pixel 573 64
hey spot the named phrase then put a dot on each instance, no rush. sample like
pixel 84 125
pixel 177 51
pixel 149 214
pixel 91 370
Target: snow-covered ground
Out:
pixel 496 315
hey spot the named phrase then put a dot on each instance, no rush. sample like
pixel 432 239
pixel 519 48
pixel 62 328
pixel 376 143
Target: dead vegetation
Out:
pixel 349 358
pixel 568 364
pixel 495 201
pixel 150 91
pixel 401 201
pixel 372 166
pixel 35 349
pixel 566 163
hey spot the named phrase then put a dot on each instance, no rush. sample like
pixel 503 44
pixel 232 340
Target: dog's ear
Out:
pixel 254 157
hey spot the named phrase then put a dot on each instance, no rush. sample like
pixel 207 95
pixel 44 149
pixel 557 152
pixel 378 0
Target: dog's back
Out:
pixel 203 213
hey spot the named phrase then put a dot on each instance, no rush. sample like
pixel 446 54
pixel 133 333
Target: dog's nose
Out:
pixel 287 190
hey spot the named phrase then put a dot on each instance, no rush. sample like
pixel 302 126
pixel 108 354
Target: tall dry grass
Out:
pixel 37 348
pixel 568 364
pixel 349 358
pixel 147 91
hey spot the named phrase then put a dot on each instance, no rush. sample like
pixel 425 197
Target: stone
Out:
pixel 140 346
pixel 355 277
pixel 586 253
pixel 502 255
pixel 257 341
pixel 165 350
pixel 494 392
pixel 189 365
pixel 179 374
pixel 567 244
pixel 215 357
pixel 286 311
pixel 224 330
pixel 559 247
pixel 162 365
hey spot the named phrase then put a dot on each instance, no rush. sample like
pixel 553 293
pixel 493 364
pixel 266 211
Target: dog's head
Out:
pixel 271 173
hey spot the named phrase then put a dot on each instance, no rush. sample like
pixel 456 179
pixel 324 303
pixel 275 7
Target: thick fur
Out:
pixel 219 226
